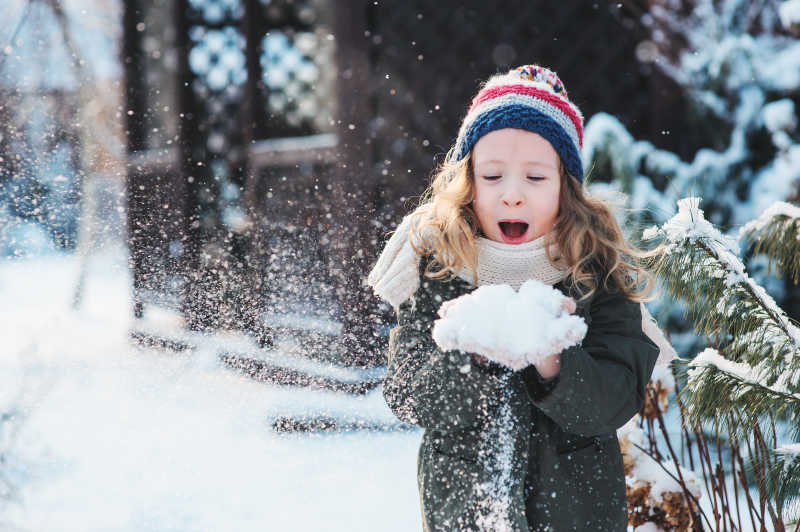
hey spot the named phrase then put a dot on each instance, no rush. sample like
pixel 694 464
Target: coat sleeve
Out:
pixel 431 388
pixel 601 384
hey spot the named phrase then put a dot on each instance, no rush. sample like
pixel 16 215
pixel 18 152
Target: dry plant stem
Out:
pixel 651 436
pixel 683 448
pixel 724 497
pixel 689 450
pixel 756 461
pixel 776 521
pixel 684 428
pixel 774 432
pixel 726 505
pixel 736 484
pixel 752 506
pixel 763 465
pixel 663 427
pixel 765 448
pixel 734 447
pixel 734 452
pixel 712 474
pixel 673 477
pixel 726 509
pixel 716 493
pixel 699 450
pixel 778 509
pixel 686 442
pixel 720 480
pixel 708 476
pixel 701 459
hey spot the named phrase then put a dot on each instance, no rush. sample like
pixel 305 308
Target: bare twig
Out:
pixel 734 452
pixel 743 477
pixel 662 425
pixel 723 488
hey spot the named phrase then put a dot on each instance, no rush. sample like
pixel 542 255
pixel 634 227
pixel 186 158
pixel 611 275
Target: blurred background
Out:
pixel 206 183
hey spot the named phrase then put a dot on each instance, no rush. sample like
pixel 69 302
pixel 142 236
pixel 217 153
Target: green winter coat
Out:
pixel 566 473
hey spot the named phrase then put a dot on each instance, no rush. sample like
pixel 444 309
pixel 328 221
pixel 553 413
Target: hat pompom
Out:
pixel 542 75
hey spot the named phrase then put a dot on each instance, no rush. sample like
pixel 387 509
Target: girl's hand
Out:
pixel 569 305
pixel 550 366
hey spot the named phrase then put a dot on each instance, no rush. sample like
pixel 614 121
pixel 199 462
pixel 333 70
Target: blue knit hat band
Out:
pixel 524 117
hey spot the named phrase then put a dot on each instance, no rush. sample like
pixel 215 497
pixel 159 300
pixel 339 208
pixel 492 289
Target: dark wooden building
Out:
pixel 273 143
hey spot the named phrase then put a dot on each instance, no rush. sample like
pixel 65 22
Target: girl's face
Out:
pixel 517 185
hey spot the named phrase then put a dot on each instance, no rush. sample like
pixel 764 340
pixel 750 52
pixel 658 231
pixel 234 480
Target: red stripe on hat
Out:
pixel 542 94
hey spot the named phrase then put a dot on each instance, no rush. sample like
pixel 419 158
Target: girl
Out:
pixel 535 448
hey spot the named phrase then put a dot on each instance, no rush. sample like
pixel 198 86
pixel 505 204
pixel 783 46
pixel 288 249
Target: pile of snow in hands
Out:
pixel 512 328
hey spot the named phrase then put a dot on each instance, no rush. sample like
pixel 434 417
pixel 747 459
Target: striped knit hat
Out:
pixel 529 97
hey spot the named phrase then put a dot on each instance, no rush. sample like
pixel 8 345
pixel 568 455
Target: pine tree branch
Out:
pixel 776 234
pixel 715 386
pixel 700 266
pixel 758 294
pixel 782 479
pixel 752 333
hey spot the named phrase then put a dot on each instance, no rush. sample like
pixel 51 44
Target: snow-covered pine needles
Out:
pixel 776 234
pixel 701 266
pixel 752 377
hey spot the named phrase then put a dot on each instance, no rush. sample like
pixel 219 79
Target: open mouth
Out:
pixel 513 230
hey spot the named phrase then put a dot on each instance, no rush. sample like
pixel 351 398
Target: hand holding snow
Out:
pixel 515 329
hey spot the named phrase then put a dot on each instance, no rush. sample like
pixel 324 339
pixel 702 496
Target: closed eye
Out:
pixel 496 177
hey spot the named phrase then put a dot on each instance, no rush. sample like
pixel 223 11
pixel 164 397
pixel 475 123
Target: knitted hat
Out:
pixel 529 97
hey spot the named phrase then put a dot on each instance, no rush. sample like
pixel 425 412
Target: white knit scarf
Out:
pixel 513 264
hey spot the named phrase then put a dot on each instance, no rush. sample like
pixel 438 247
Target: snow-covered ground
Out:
pixel 98 434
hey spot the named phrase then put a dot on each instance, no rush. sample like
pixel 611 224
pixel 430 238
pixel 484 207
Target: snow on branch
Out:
pixel 790 451
pixel 690 224
pixel 776 234
pixel 734 395
pixel 778 209
pixel 702 266
pixel 745 374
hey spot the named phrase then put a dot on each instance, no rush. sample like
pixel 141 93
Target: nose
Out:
pixel 512 195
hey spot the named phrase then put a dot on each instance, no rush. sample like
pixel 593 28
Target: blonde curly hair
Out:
pixel 586 235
